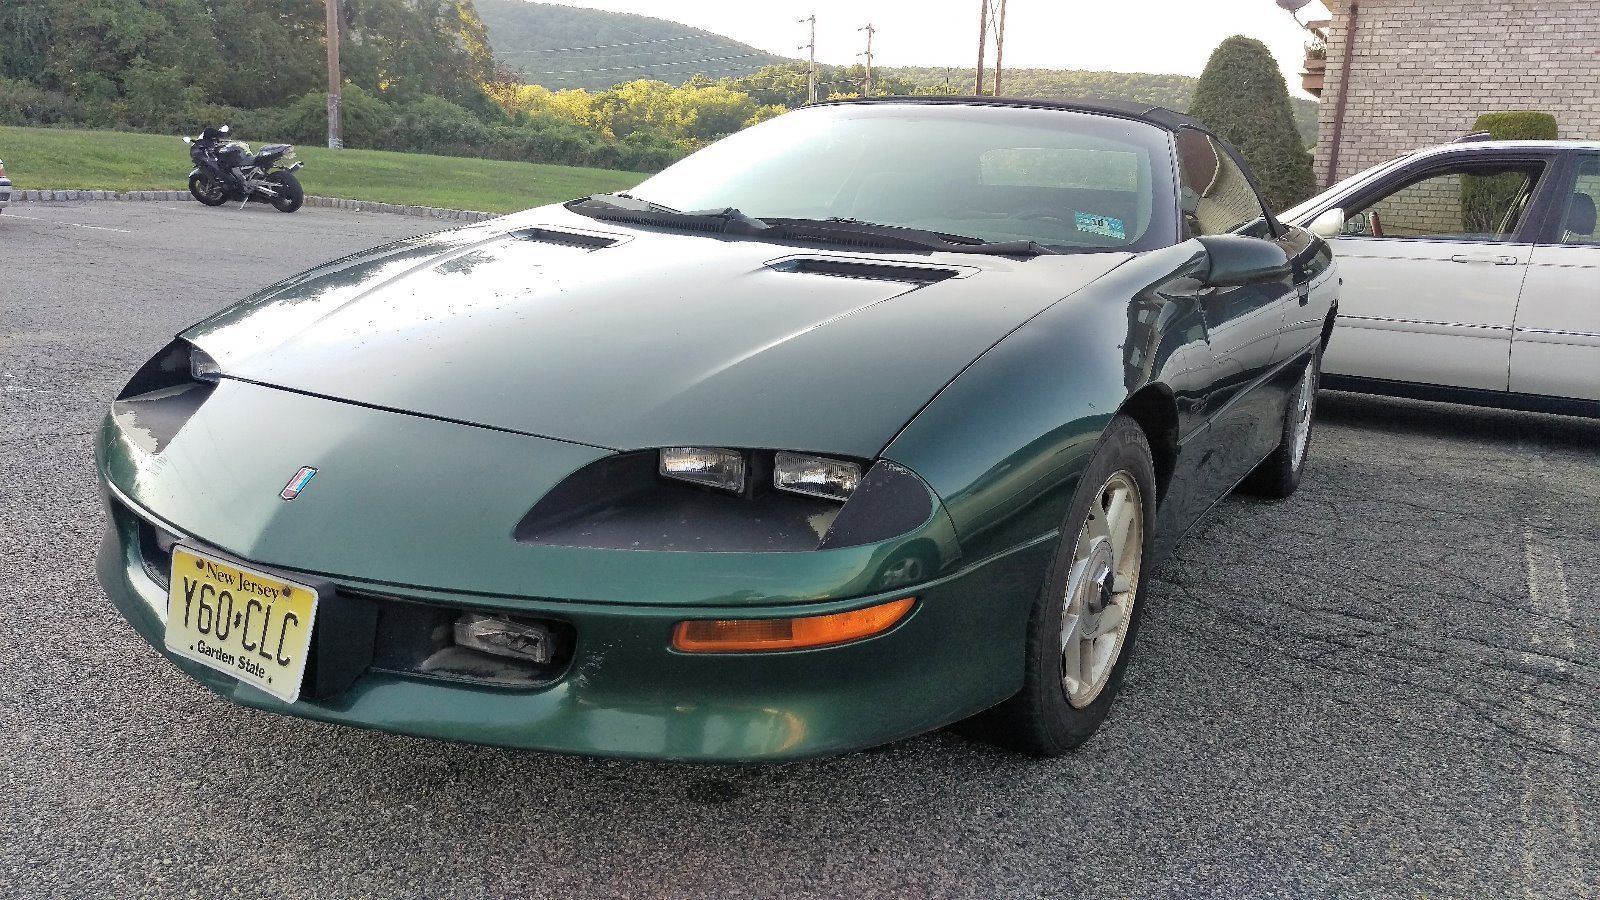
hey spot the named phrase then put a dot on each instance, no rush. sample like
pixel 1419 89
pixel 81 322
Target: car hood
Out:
pixel 552 324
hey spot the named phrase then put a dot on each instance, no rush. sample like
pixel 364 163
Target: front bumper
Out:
pixel 626 693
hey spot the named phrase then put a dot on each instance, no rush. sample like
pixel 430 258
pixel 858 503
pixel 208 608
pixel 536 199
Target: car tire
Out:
pixel 1278 476
pixel 1056 710
pixel 207 189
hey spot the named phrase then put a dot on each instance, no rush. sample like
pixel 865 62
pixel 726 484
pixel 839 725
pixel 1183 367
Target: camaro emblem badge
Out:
pixel 297 483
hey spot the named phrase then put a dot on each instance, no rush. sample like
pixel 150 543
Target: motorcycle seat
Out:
pixel 272 149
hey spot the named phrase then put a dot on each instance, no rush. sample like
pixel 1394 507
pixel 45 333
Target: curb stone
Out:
pixel 425 212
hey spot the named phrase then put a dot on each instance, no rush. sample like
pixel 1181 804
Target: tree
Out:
pixel 1242 97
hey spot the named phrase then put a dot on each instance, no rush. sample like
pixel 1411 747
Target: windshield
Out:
pixel 1064 179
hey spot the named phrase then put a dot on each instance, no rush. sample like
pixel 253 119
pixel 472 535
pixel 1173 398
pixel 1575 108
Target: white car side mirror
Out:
pixel 1329 225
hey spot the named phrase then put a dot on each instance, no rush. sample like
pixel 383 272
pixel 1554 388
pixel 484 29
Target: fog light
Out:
pixel 710 466
pixel 745 635
pixel 501 636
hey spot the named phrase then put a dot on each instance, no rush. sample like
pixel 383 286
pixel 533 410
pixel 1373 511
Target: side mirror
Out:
pixel 1237 260
pixel 1329 225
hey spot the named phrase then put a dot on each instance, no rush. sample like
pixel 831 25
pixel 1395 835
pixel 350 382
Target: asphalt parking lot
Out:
pixel 1385 686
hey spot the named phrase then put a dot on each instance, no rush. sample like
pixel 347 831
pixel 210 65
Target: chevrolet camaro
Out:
pixel 864 421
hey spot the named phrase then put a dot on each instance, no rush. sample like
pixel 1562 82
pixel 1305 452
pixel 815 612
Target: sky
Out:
pixel 1167 36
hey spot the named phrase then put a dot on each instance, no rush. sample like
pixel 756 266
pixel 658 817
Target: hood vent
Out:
pixel 566 238
pixel 872 271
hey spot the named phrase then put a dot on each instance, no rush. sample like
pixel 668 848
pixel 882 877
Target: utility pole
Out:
pixel 811 51
pixel 867 89
pixel 983 41
pixel 999 46
pixel 335 141
pixel 991 18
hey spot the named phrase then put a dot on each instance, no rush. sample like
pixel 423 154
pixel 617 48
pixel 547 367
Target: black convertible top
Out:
pixel 1143 112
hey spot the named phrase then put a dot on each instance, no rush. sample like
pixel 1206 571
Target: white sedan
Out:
pixel 1472 274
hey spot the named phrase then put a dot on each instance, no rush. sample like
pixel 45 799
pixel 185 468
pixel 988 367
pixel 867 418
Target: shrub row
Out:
pixel 424 125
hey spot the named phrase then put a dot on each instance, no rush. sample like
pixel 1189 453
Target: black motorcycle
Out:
pixel 226 170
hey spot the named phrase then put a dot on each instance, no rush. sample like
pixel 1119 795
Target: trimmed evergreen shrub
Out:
pixel 1242 97
pixel 1486 201
pixel 1518 125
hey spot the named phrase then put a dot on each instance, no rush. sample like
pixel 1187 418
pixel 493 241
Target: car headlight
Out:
pixel 202 367
pixel 815 476
pixel 759 501
pixel 165 393
pixel 710 466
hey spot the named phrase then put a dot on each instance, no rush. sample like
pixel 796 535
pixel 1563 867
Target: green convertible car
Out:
pixel 864 421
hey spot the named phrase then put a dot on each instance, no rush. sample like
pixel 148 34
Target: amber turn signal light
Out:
pixel 745 635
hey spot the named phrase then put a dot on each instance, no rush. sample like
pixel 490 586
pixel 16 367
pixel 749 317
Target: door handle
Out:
pixel 1485 259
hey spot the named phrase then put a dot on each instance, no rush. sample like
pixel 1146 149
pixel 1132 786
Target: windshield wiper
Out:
pixel 621 200
pixel 855 232
pixel 628 208
pixel 942 235
pixel 921 238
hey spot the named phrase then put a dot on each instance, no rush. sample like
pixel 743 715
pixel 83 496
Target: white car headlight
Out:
pixel 816 476
pixel 202 367
pixel 710 466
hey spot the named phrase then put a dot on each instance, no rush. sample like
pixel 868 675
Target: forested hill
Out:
pixel 1171 91
pixel 569 46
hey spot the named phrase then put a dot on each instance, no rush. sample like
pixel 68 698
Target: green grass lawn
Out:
pixel 52 158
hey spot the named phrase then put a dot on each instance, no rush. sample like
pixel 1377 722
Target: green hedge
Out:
pixel 1486 200
pixel 1518 125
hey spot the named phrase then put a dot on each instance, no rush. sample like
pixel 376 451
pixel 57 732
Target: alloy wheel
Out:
pixel 1304 406
pixel 1101 589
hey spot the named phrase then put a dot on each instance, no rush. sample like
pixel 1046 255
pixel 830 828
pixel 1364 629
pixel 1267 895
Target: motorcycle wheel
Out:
pixel 290 194
pixel 207 190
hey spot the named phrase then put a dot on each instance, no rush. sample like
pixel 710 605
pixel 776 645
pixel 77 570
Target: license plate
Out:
pixel 247 623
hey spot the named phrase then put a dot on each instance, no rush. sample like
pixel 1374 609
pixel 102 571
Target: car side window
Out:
pixel 1217 197
pixel 1578 216
pixel 1471 202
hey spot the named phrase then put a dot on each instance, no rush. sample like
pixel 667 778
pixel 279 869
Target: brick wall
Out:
pixel 1425 69
pixel 1428 208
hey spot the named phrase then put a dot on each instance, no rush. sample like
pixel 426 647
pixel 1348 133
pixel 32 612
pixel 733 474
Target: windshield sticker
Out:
pixel 1105 226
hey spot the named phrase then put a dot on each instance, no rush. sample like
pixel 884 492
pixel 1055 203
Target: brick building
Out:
pixel 1423 70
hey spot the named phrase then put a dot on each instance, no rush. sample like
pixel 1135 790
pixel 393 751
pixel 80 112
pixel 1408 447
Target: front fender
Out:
pixel 1005 443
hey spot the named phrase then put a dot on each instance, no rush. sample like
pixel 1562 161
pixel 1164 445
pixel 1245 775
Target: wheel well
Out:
pixel 1153 408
